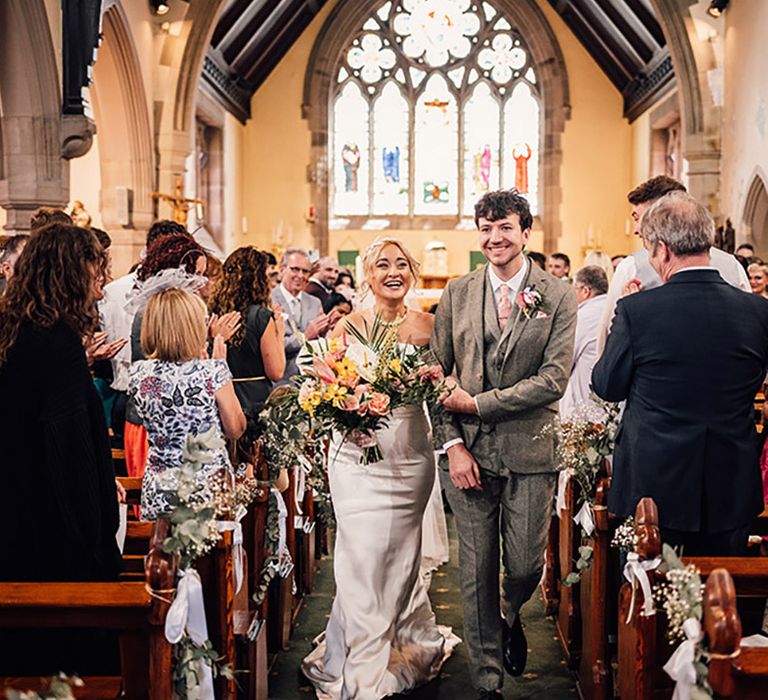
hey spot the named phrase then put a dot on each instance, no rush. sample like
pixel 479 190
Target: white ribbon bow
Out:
pixel 562 483
pixel 238 553
pixel 585 519
pixel 187 612
pixel 636 571
pixel 300 481
pixel 284 563
pixel 680 666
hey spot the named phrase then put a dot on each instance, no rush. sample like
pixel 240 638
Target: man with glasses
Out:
pixel 304 317
pixel 590 285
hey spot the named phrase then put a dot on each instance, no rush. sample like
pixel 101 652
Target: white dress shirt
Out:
pixel 729 268
pixel 514 284
pixel 585 355
pixel 294 302
pixel 117 322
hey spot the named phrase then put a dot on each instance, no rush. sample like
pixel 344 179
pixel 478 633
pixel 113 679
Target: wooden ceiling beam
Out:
pixel 259 19
pixel 644 13
pixel 229 18
pixel 631 28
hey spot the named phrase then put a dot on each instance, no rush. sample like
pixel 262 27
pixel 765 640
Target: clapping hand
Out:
pixel 97 348
pixel 632 287
pixel 219 351
pixel 225 326
pixel 279 316
pixel 317 327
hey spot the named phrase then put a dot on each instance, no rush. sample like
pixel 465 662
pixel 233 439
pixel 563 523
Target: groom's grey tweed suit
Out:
pixel 517 376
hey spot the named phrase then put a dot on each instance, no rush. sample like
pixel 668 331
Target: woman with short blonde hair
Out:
pixel 758 278
pixel 179 392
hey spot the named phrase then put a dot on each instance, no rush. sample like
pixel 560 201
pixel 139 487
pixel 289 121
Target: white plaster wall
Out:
pixel 745 110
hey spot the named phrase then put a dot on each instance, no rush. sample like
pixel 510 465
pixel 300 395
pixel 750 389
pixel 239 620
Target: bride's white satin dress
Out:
pixel 382 637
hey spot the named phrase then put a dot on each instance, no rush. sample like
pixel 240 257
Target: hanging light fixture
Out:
pixel 159 7
pixel 717 7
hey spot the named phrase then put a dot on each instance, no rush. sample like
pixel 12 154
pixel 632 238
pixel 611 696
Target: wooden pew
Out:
pixel 282 604
pixel 643 648
pixel 127 607
pixel 568 621
pixel 550 582
pixel 598 593
pixel 734 671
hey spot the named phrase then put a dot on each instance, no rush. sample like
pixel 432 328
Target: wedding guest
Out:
pixel 116 321
pixel 636 273
pixel 591 286
pixel 56 452
pixel 106 243
pixel 616 259
pixel 213 272
pixel 256 356
pixel 273 272
pixel 48 215
pixel 758 279
pixel 304 315
pixel 8 257
pixel 175 251
pixel 539 258
pixel 687 437
pixel 559 266
pixel 336 306
pixel 178 392
pixel 323 279
pixel 61 522
pixel 345 285
pixel 601 260
pixel 745 250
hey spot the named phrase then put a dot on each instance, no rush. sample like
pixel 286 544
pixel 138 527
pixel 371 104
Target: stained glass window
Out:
pixel 435 103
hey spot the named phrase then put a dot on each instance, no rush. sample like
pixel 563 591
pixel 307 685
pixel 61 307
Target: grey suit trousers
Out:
pixel 513 508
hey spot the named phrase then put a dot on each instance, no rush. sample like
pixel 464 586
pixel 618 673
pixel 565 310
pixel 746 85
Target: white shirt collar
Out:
pixel 290 297
pixel 588 301
pixel 514 283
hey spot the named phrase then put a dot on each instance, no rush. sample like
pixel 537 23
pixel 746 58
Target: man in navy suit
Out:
pixel 688 357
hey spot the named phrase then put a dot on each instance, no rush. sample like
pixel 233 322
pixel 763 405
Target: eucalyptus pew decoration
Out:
pixel 290 437
pixel 198 515
pixel 581 444
pixel 680 595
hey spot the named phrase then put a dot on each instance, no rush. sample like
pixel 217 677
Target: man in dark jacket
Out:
pixel 688 357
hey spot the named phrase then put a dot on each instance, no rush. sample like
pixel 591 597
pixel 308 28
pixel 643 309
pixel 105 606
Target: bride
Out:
pixel 382 637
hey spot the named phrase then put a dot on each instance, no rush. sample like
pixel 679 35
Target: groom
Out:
pixel 507 331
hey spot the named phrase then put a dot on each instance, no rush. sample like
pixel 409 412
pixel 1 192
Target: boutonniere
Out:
pixel 529 300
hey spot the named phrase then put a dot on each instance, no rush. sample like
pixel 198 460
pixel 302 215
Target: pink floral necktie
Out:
pixel 503 304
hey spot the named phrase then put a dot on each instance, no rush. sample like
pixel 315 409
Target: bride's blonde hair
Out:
pixel 371 254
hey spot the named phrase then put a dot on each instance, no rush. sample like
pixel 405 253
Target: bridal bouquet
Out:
pixel 353 383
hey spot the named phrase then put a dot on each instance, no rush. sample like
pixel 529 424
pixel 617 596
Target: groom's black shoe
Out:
pixel 490 695
pixel 515 648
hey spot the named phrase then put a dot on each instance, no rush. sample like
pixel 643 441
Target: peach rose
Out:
pixel 379 404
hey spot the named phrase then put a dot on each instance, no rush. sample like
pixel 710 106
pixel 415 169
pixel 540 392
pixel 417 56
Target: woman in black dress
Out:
pixel 255 355
pixel 60 516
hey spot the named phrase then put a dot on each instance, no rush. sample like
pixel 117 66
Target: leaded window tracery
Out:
pixel 434 103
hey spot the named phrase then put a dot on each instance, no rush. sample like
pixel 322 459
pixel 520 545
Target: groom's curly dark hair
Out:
pixel 496 205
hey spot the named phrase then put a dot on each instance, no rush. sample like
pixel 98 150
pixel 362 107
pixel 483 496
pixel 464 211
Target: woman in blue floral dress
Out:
pixel 180 392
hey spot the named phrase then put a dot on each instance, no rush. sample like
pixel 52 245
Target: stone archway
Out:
pixel 34 171
pixel 700 112
pixel 346 18
pixel 125 137
pixel 755 217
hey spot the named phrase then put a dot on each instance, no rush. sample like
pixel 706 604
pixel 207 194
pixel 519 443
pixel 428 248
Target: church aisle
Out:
pixel 546 675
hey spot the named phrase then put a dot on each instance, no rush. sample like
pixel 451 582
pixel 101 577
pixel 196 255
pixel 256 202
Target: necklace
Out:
pixel 395 322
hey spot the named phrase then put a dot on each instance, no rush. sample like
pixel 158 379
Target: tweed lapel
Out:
pixel 534 277
pixel 476 305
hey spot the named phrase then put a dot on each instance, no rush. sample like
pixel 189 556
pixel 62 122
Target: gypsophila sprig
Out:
pixel 625 537
pixel 681 594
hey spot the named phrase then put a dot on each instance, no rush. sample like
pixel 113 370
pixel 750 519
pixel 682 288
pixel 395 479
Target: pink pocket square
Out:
pixel 541 314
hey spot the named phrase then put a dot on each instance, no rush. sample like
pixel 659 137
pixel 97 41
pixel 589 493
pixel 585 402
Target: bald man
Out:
pixel 322 282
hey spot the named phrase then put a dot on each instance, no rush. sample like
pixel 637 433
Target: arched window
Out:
pixel 433 103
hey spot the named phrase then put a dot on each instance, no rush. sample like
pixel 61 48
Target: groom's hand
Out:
pixel 463 470
pixel 458 400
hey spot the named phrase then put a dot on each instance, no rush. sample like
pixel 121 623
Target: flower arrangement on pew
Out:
pixel 353 385
pixel 625 538
pixel 198 516
pixel 680 594
pixel 582 443
pixel 59 688
pixel 288 439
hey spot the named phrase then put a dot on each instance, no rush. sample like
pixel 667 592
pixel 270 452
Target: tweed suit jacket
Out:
pixel 533 375
pixel 311 308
